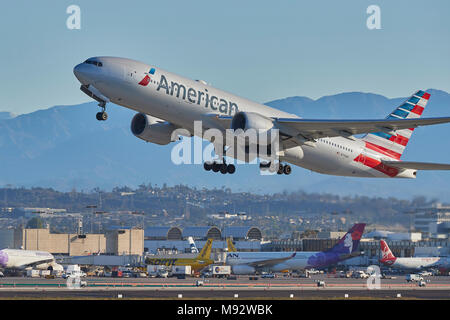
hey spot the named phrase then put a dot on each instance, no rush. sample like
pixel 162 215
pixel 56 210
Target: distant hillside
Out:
pixel 6 115
pixel 65 147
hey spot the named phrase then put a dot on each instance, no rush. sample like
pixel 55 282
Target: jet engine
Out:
pixel 152 129
pixel 243 269
pixel 261 125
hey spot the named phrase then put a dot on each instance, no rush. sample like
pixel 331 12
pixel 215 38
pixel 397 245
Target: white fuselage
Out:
pixel 298 262
pixel 118 80
pixel 418 263
pixel 20 259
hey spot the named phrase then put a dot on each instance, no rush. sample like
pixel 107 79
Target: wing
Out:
pixel 417 165
pixel 35 263
pixel 314 129
pixel 270 262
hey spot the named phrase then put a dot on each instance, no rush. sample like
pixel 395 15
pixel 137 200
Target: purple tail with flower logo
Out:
pixel 346 248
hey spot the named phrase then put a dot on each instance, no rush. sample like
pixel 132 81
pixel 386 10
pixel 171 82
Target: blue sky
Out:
pixel 262 50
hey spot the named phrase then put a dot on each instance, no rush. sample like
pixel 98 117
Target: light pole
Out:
pixel 140 214
pixel 91 206
pixel 99 213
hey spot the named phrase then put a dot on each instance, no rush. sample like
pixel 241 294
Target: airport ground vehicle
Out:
pixel 220 271
pixel 268 276
pixel 426 274
pixel 360 275
pixel 199 283
pixel 181 271
pixel 33 273
pixel 217 271
pixel 312 271
pixel 413 277
pixel 73 270
pixel 157 270
pixel 162 274
pixel 320 283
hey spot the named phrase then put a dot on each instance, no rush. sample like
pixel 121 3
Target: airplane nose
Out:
pixel 81 73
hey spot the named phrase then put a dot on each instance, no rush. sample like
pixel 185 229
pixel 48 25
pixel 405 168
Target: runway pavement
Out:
pixel 278 288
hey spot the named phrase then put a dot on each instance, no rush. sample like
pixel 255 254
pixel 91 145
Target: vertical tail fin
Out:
pixel 205 254
pixel 192 245
pixel 350 241
pixel 393 143
pixel 387 255
pixel 231 247
pixel 346 248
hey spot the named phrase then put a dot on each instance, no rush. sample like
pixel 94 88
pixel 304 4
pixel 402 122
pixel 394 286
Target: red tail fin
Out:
pixel 387 256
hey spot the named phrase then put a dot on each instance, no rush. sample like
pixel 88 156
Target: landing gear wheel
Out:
pixel 207 166
pixel 280 169
pixel 223 168
pixel 101 116
pixel 231 168
pixel 264 166
pixel 216 167
pixel 287 169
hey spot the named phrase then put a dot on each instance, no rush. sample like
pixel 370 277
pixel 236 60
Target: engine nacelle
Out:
pixel 292 155
pixel 248 121
pixel 243 269
pixel 151 129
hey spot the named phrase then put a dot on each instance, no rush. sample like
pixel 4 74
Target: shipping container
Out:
pixel 181 270
pixel 33 273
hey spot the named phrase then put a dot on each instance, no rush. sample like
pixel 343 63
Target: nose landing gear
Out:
pixel 102 116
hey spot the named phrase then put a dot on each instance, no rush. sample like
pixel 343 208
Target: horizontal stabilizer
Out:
pixel 417 165
pixel 332 128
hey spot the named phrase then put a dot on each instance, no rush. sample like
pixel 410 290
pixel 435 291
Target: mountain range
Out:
pixel 65 147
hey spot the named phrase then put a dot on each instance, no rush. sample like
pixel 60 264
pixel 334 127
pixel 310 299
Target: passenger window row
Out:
pixel 335 145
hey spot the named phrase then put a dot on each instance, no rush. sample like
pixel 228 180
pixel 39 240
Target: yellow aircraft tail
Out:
pixel 231 247
pixel 205 254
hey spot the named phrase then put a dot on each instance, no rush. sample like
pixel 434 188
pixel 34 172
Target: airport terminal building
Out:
pixel 112 242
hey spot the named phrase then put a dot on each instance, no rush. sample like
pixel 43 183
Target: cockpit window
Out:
pixel 96 63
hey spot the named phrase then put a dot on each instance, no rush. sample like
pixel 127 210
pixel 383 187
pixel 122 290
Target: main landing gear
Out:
pixel 222 167
pixel 278 168
pixel 102 116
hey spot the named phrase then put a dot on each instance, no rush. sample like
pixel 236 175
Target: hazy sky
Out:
pixel 262 50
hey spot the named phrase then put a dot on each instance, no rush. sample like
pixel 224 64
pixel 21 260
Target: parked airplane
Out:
pixel 202 260
pixel 192 245
pixel 230 245
pixel 252 262
pixel 166 102
pixel 24 259
pixel 416 263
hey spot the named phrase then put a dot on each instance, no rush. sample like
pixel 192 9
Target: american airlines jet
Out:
pixel 252 262
pixel 23 259
pixel 415 263
pixel 166 102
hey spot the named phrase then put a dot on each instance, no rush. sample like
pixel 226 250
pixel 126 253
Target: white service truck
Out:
pixel 181 271
pixel 220 271
pixel 73 270
pixel 413 277
pixel 33 273
pixel 155 271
